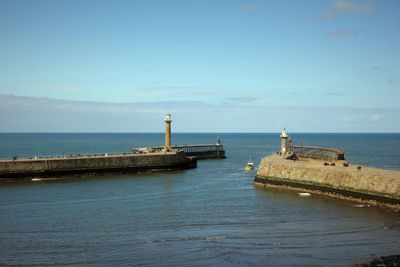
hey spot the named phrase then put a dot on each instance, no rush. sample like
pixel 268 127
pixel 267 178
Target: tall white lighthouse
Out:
pixel 168 121
pixel 284 141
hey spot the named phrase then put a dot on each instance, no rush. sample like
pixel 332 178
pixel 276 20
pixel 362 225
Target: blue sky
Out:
pixel 257 66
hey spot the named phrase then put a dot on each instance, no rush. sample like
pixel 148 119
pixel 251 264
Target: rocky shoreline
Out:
pixel 384 261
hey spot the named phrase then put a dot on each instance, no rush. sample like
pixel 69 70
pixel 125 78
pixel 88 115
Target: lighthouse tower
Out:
pixel 168 121
pixel 284 142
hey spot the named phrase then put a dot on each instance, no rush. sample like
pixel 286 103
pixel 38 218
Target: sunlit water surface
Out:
pixel 212 215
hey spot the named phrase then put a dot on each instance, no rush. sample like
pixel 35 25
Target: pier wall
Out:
pixel 205 151
pixel 207 154
pixel 24 168
pixel 365 183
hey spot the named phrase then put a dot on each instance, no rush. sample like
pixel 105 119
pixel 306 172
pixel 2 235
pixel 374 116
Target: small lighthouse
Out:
pixel 284 142
pixel 168 121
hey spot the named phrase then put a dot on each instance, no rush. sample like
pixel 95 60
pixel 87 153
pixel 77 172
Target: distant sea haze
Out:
pixel 212 215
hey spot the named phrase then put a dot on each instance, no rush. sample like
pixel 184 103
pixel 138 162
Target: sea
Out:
pixel 209 216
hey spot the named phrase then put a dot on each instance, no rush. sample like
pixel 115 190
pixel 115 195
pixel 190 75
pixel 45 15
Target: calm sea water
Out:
pixel 212 215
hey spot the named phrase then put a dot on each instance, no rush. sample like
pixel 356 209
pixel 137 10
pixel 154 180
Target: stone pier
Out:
pixel 93 164
pixel 336 178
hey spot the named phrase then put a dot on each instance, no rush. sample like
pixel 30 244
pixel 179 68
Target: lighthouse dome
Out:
pixel 168 118
pixel 284 133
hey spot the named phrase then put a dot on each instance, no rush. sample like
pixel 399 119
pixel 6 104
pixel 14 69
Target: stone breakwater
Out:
pixel 368 184
pixel 117 163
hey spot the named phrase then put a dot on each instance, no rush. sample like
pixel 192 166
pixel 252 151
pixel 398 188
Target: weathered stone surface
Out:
pixel 60 166
pixel 367 180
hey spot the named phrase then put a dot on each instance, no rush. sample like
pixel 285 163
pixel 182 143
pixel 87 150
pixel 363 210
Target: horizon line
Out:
pixel 180 132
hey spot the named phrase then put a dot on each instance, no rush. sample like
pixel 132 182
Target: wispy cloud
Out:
pixel 375 117
pixel 341 33
pixel 301 92
pixel 339 7
pixel 334 94
pixel 170 88
pixel 242 99
pixel 315 92
pixel 361 117
pixel 249 7
pixel 22 114
pixel 181 90
pixel 352 6
pixel 70 89
pixel 61 105
pixel 200 93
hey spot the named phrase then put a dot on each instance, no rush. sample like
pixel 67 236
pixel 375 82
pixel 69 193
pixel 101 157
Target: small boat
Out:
pixel 249 165
pixel 304 194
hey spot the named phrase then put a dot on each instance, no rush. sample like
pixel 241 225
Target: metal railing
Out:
pixel 144 150
pixel 69 156
pixel 314 152
pixel 193 148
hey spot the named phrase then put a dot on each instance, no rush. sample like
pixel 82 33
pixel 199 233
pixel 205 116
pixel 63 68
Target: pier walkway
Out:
pixel 315 152
pixel 54 167
pixel 353 180
pixel 201 151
